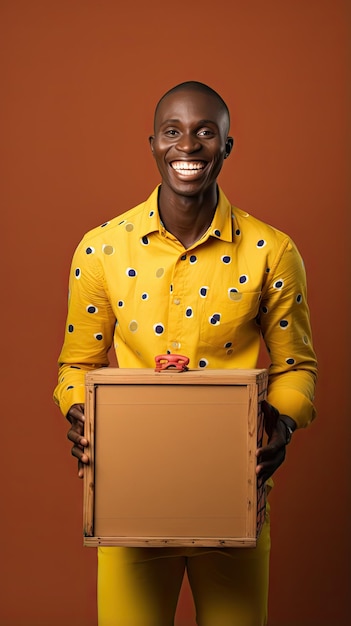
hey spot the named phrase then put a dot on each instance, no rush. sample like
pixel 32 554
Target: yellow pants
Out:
pixel 140 586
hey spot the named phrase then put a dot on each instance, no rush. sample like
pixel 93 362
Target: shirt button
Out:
pixel 176 344
pixel 176 301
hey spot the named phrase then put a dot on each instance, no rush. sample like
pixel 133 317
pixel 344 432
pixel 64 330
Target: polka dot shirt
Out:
pixel 134 285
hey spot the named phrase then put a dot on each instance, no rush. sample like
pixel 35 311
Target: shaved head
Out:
pixel 193 85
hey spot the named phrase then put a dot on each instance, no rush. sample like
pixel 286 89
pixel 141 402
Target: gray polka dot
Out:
pixel 107 249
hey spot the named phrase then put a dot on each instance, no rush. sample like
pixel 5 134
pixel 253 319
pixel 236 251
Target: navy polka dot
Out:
pixel 278 284
pixel 228 344
pixel 203 362
pixel 226 259
pixel 215 319
pixel 152 213
pixel 122 222
pixel 104 224
pixel 193 258
pixel 145 296
pixel 189 312
pixel 233 290
pixel 238 231
pixel 77 272
pixel 268 269
pixel 299 298
pixel 283 323
pixel 98 336
pixel 183 257
pixel 159 329
pixel 217 232
pixel 70 328
pixel 171 288
pixel 131 272
pixel 290 361
pixel 145 240
pixel 75 367
pixel 92 309
pixel 70 387
pixel 243 279
pixel 120 303
pixel 261 243
pixel 264 309
pixel 203 292
pixel 89 250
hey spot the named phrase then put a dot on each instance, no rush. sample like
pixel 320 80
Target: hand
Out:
pixel 76 434
pixel 271 456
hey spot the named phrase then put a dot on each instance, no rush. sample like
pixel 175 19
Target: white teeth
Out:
pixel 186 166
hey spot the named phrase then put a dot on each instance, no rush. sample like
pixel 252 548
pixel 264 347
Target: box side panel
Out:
pixel 89 470
pixel 171 461
pixel 261 490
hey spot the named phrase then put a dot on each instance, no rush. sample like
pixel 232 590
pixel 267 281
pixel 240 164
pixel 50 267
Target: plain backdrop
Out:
pixel 79 82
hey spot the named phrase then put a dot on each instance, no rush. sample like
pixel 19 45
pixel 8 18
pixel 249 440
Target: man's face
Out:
pixel 190 141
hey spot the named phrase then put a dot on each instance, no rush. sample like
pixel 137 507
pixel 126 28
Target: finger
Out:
pixel 80 470
pixel 78 453
pixel 76 412
pixel 265 469
pixel 77 438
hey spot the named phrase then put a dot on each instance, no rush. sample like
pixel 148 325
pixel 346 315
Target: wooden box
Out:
pixel 172 457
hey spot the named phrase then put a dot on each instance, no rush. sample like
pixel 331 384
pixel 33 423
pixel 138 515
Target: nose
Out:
pixel 188 142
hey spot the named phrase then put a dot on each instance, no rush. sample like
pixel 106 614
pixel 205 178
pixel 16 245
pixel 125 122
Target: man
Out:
pixel 187 273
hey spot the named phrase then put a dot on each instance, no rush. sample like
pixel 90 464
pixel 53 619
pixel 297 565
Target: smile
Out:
pixel 188 167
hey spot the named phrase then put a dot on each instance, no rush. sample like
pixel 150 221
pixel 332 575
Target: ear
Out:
pixel 151 142
pixel 228 146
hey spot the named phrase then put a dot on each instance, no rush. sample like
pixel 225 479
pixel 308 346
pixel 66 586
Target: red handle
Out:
pixel 171 361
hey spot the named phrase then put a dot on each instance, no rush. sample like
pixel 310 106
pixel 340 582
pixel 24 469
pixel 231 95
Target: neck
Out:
pixel 187 217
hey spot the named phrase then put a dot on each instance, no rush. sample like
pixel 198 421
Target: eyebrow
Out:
pixel 198 123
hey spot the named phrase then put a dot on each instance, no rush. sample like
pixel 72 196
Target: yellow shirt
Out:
pixel 134 284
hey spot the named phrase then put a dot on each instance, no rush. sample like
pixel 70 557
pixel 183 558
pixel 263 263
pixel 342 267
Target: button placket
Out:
pixel 175 321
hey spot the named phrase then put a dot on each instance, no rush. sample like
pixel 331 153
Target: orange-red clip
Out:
pixel 171 361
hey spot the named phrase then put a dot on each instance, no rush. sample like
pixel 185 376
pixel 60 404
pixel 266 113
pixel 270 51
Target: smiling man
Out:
pixel 189 145
pixel 185 272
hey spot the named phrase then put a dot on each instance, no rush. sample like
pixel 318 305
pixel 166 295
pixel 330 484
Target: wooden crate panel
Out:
pixel 173 457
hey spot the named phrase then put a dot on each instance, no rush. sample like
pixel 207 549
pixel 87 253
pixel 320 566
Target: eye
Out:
pixel 205 132
pixel 171 132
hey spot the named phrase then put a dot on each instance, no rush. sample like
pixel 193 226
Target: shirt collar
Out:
pixel 221 227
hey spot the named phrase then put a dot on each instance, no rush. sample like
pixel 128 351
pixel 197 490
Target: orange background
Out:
pixel 80 80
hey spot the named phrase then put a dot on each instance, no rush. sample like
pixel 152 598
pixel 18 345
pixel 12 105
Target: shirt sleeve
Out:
pixel 89 329
pixel 285 323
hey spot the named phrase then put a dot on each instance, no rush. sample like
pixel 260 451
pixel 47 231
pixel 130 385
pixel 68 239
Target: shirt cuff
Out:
pixel 294 404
